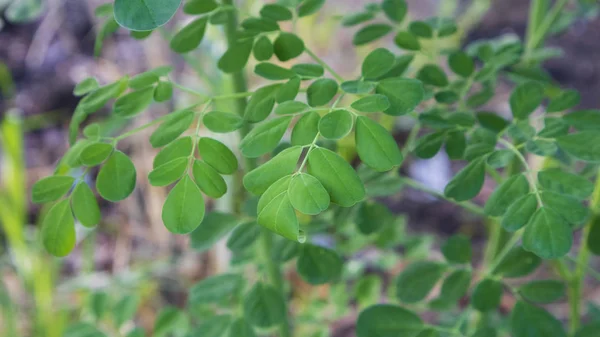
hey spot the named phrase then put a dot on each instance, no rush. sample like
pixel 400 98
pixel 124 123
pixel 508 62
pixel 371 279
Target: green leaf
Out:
pixel 375 146
pixel 519 212
pixel 263 49
pixel 222 122
pixel 244 236
pixel 337 176
pixel 272 71
pixel 468 182
pixel 336 124
pixel 236 57
pixel 215 289
pixel 275 210
pixel 566 100
pixel 456 144
pixel 357 87
pixel 217 155
pixel 208 179
pixel 433 75
pixel 88 85
pixel 169 172
pixel 541 147
pixel 307 195
pixel 370 33
pixel 133 103
pixel 446 97
pixel 306 129
pixel 500 158
pixel 525 99
pixel 264 306
pixel 215 326
pixel 357 18
pixel 287 46
pixel 284 163
pixel 583 119
pixel 189 37
pixel 404 94
pixel 487 295
pixel 417 280
pixel 82 329
pixel 172 128
pixel 588 330
pixel 183 210
pixel 387 320
pixel 457 249
pixel 421 29
pixel 395 10
pixel 144 14
pixel 265 137
pixel 84 205
pixel 261 103
pixel 143 80
pixel 429 145
pixel 583 145
pixel 543 291
pixel 461 64
pixel 58 229
pixel 547 235
pixel 571 209
pixel 517 263
pixel 319 265
pixel 241 328
pixel 116 179
pixel 371 103
pixel 505 194
pixel 407 41
pixel 372 217
pixel 170 322
pixel 196 7
pixel 276 12
pixel 528 320
pixel 308 7
pixel 289 90
pixel 163 91
pixel 214 227
pixel 259 25
pixel 308 70
pixel 377 63
pixel 51 188
pixel 367 290
pixel 291 108
pixel 181 147
pixel 455 286
pixel 125 309
pixel 321 91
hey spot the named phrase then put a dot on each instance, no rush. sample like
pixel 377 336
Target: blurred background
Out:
pixel 130 260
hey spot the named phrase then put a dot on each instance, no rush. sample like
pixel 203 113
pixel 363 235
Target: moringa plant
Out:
pixel 302 200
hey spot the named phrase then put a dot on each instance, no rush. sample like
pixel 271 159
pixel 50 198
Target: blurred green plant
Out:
pixel 303 201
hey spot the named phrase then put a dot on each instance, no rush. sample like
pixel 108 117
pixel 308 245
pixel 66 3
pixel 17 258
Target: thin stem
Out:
pixel 188 90
pixel 465 204
pixel 528 171
pixel 541 31
pixel 324 65
pixel 507 248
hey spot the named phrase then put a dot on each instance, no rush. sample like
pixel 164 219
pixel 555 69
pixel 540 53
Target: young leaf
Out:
pixel 455 286
pixel 417 280
pixel 583 145
pixel 276 12
pixel 171 128
pixel 236 57
pixel 291 108
pixel 288 91
pixel 116 179
pixel 168 173
pixel 181 147
pixel 272 71
pixel 517 263
pixel 505 194
pixel 370 33
pixel 265 137
pixel 429 145
pixel 208 179
pixel 133 103
pixel 456 144
pixel 307 195
pixel 308 70
pixel 284 163
pixel 547 235
pixel 519 212
pixel 275 211
pixel 387 320
pixel 84 205
pixel 321 91
pixel 487 295
pixel 525 99
pixel 264 306
pixel 337 176
pixel 287 46
pixel 395 10
pixel 183 210
pixel 217 155
pixel 433 75
pixel 189 37
pixel 259 25
pixel 371 103
pixel 263 49
pixel 407 41
pixel 375 146
pixel 543 291
pixel 163 91
pixel 468 182
pixel 377 63
pixel 139 15
pixel 222 122
pixel 336 124
pixel 461 64
pixel 58 229
pixel 457 249
pixel 196 7
pixel 528 320
pixel 86 86
pixel 51 188
pixel 319 265
pixel 404 94
pixel 308 7
pixel 215 289
pixel 261 103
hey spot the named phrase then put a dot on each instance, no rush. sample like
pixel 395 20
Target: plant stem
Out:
pixel 465 204
pixel 324 65
pixel 541 31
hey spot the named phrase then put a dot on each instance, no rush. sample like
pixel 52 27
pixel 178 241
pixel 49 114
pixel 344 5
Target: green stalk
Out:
pixel 240 86
pixel 541 28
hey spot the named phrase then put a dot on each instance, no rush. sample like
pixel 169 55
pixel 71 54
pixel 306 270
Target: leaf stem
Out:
pixel 324 65
pixel 528 171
